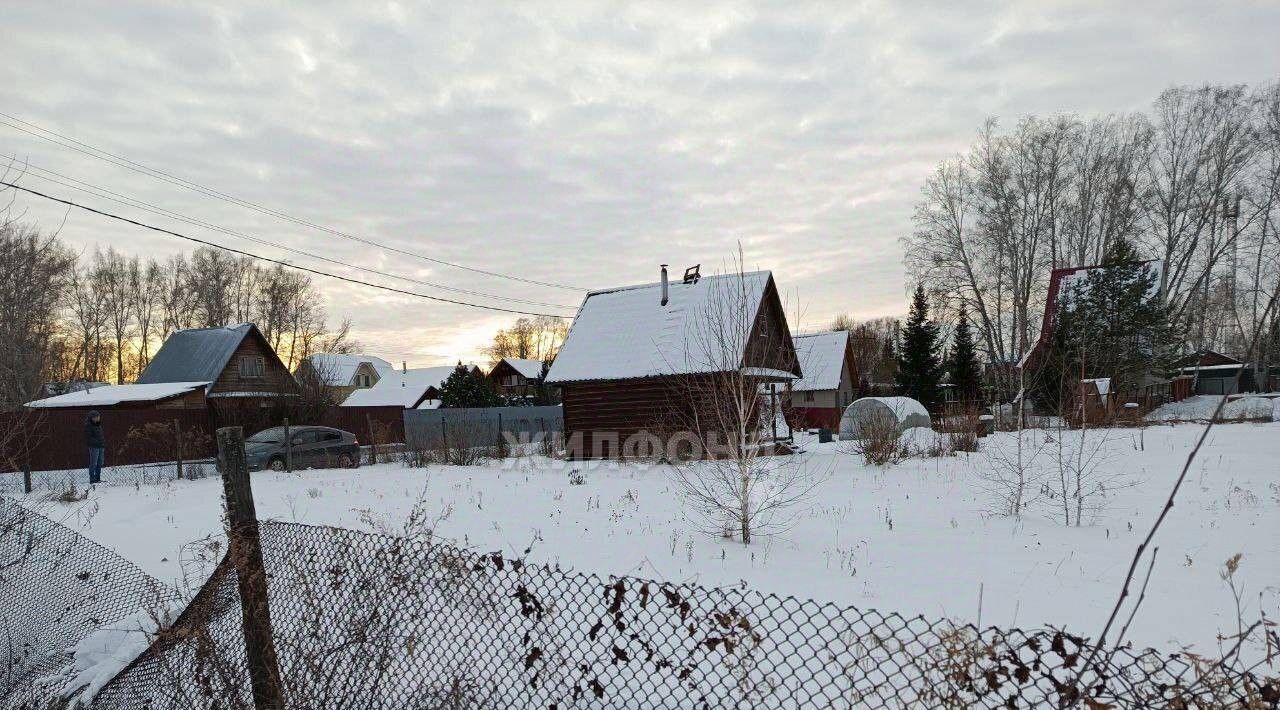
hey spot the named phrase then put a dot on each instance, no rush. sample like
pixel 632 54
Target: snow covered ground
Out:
pixel 918 537
pixel 1201 408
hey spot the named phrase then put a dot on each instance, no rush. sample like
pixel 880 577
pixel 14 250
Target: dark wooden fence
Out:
pixel 387 423
pixel 54 439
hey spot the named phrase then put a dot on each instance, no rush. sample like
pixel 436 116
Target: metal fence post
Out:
pixel 26 475
pixel 444 434
pixel 288 447
pixel 245 552
pixel 177 438
pixel 373 445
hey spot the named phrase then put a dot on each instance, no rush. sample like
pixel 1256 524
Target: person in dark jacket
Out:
pixel 97 446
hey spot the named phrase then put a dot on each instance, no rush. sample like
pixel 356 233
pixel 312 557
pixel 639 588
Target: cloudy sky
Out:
pixel 578 144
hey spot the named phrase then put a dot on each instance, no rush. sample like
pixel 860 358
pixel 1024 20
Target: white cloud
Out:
pixel 579 143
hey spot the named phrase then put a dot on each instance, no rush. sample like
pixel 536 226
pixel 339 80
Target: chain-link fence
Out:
pixel 56 588
pixel 371 621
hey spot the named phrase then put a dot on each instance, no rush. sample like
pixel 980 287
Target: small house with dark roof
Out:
pixel 828 386
pixel 516 377
pixel 633 361
pixel 243 372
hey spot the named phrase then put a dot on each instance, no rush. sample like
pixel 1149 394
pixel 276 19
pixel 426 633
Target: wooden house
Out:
pixel 343 373
pixel 829 383
pixel 516 377
pixel 636 359
pixel 244 375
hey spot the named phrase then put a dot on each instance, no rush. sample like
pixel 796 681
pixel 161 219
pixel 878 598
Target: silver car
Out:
pixel 313 447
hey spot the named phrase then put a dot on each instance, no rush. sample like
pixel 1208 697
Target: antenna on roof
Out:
pixel 692 274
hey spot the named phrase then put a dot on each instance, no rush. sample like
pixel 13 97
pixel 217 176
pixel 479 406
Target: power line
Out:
pixel 118 198
pixel 121 161
pixel 268 259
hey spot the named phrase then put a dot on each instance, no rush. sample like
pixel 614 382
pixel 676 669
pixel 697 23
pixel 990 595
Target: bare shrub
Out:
pixel 880 442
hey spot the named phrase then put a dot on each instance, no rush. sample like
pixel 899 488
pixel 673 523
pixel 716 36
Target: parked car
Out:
pixel 313 447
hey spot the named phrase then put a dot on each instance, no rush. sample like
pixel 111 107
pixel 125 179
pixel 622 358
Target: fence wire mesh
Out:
pixel 56 588
pixel 371 621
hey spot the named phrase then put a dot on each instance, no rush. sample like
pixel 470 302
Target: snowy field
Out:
pixel 918 537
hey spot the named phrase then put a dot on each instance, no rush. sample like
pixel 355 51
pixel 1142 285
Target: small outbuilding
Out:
pixel 902 412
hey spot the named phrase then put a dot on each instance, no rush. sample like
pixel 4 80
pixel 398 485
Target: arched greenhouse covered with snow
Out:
pixel 902 412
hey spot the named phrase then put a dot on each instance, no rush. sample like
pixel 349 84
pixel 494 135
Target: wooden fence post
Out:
pixel 245 551
pixel 177 437
pixel 373 445
pixel 288 447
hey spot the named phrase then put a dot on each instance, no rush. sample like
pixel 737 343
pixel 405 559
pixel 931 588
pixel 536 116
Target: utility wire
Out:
pixel 113 196
pixel 268 259
pixel 121 161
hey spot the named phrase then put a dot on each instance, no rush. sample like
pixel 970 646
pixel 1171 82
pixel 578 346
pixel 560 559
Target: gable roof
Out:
pixel 402 389
pixel 196 355
pixel 822 358
pixel 339 369
pixel 626 333
pixel 109 395
pixel 1061 283
pixel 531 369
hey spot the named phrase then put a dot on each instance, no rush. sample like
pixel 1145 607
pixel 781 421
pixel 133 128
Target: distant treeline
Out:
pixel 102 316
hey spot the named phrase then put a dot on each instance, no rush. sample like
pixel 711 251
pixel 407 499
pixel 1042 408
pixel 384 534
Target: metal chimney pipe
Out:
pixel 664 284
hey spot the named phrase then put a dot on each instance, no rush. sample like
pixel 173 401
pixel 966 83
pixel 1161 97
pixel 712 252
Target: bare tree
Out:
pixel 34 284
pixel 146 291
pixel 739 487
pixel 111 272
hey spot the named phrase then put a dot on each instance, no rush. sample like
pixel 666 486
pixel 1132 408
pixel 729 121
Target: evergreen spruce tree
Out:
pixel 1112 324
pixel 919 368
pixel 467 388
pixel 966 374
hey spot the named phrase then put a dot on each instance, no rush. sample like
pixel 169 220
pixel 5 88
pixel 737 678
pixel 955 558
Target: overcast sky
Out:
pixel 572 143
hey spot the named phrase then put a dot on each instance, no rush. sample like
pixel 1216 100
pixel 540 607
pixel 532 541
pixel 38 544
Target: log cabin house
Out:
pixel 516 377
pixel 246 378
pixel 637 358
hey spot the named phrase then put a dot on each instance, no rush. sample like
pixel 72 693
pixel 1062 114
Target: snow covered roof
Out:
pixel 531 369
pixel 626 333
pixel 1103 384
pixel 400 389
pixel 199 354
pixel 821 358
pixel 115 394
pixel 339 369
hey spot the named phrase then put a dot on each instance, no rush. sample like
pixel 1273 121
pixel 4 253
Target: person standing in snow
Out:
pixel 97 446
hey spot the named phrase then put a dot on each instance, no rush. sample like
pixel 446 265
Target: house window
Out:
pixel 363 381
pixel 808 396
pixel 253 366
